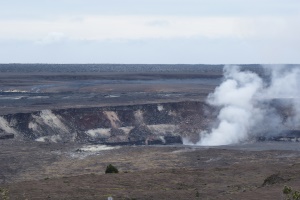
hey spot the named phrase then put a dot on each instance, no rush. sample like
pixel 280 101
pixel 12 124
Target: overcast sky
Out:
pixel 150 31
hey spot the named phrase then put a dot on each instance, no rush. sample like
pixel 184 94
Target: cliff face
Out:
pixel 135 124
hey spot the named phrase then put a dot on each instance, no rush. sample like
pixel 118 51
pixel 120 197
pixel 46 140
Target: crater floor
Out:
pixel 31 170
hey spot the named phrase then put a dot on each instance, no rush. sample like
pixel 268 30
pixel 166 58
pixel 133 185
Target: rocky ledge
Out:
pixel 147 124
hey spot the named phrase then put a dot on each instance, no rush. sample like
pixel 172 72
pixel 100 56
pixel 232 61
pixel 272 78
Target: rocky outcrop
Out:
pixel 159 123
pixel 4 136
pixel 163 123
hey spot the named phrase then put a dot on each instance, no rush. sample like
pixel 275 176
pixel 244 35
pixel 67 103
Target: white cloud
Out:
pixel 49 8
pixel 149 27
pixel 143 31
pixel 53 37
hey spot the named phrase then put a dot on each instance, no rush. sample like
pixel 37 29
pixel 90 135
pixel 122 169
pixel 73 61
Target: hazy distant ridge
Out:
pixel 67 68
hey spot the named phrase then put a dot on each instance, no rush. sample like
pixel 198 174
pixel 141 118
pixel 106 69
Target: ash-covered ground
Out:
pixel 73 171
pixel 61 125
pixel 29 87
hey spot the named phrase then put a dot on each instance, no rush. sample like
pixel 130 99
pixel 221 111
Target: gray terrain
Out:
pixel 61 125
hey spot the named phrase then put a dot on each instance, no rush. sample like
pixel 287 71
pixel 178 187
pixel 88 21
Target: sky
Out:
pixel 150 31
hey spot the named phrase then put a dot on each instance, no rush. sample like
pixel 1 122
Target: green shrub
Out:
pixel 287 190
pixel 4 194
pixel 111 169
pixel 290 194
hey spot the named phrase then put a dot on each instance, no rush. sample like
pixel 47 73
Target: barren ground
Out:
pixel 57 171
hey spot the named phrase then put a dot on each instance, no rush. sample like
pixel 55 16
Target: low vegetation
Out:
pixel 111 169
pixel 290 194
pixel 4 194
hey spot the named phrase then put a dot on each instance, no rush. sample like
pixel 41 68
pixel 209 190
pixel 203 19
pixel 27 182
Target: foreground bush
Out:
pixel 4 194
pixel 111 169
pixel 291 194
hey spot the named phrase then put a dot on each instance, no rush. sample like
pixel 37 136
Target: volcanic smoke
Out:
pixel 245 102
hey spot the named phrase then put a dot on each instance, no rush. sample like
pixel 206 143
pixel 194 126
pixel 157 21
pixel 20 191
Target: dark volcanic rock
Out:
pixel 117 132
pixel 273 179
pixel 6 136
pixel 173 140
pixel 141 132
pixel 158 123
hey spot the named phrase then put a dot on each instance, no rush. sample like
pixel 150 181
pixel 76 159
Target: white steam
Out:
pixel 244 99
pixel 285 83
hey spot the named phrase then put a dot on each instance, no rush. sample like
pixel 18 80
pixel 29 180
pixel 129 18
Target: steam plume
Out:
pixel 245 102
